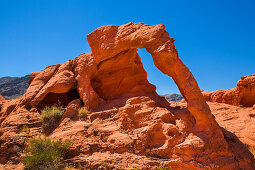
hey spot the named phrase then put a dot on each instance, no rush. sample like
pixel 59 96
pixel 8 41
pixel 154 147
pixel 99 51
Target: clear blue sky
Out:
pixel 215 38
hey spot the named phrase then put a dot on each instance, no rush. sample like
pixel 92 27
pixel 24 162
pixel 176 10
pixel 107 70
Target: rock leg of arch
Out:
pixel 187 85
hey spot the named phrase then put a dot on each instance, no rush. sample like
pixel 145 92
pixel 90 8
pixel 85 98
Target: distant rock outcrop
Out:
pixel 242 95
pixel 173 97
pixel 13 87
pixel 130 125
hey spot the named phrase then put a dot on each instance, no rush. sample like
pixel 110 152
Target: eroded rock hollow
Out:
pixel 130 126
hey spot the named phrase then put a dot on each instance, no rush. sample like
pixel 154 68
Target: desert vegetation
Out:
pixel 50 117
pixel 24 129
pixel 44 153
pixel 163 168
pixel 83 113
pixel 251 149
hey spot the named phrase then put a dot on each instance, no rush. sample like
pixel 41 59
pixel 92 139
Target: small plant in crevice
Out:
pixel 50 117
pixel 163 168
pixel 225 127
pixel 24 129
pixel 83 113
pixel 44 153
pixel 251 149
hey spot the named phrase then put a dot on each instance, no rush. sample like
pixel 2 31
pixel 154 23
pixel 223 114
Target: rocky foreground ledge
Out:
pixel 130 125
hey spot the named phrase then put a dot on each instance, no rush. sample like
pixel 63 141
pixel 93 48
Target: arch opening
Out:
pixel 165 85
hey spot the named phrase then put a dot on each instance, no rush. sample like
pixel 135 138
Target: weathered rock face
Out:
pixel 122 137
pixel 238 120
pixel 12 141
pixel 130 125
pixel 243 94
pixel 246 86
pixel 121 76
pixel 56 79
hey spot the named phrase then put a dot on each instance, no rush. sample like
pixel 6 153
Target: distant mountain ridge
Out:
pixel 13 87
pixel 173 97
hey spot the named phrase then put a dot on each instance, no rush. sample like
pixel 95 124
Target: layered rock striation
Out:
pixel 130 125
pixel 243 94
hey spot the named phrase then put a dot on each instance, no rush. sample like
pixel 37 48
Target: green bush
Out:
pixel 251 149
pixel 24 129
pixel 50 117
pixel 45 153
pixel 225 127
pixel 83 113
pixel 163 168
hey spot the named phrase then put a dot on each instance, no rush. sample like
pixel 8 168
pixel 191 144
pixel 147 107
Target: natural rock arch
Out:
pixel 98 76
pixel 110 41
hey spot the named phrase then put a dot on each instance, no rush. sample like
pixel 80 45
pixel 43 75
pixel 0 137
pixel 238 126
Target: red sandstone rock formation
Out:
pixel 113 41
pixel 243 94
pixel 238 120
pixel 143 128
pixel 130 125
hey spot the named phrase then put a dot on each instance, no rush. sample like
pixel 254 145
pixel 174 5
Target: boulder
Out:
pixel 54 85
pixel 72 109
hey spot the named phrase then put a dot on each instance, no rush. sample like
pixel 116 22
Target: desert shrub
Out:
pixel 225 127
pixel 83 113
pixel 251 149
pixel 240 105
pixel 50 116
pixel 44 153
pixel 163 168
pixel 24 129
